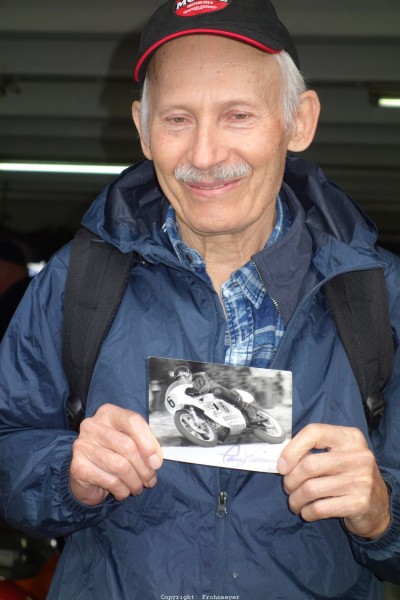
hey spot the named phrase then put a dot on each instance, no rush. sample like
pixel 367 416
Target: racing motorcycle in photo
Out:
pixel 207 419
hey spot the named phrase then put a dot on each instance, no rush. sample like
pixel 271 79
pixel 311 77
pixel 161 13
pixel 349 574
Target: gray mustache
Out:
pixel 189 174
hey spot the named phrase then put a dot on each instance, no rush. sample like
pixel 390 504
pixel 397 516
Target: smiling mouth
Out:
pixel 208 186
pixel 212 185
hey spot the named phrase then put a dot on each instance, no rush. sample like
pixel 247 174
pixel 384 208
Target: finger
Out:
pixel 357 464
pixel 91 485
pixel 115 453
pixel 338 486
pixel 356 508
pixel 134 426
pixel 96 466
pixel 318 436
pixel 355 477
pixel 328 508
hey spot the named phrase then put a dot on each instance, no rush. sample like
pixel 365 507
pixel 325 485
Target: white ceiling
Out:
pixel 66 90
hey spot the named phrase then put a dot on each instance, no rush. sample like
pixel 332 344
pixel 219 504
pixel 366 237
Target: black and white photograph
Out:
pixel 221 415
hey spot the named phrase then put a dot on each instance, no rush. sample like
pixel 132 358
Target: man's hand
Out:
pixel 344 481
pixel 115 453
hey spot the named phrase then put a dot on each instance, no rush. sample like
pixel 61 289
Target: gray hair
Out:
pixel 293 86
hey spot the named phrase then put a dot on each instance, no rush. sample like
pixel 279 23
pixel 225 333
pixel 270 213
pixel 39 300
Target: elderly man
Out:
pixel 236 239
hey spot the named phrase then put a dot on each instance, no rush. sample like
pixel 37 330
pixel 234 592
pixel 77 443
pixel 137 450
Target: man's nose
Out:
pixel 208 146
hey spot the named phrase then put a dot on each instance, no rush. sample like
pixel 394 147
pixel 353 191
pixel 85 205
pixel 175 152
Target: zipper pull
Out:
pixel 221 508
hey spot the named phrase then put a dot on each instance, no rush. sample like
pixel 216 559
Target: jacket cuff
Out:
pixel 387 544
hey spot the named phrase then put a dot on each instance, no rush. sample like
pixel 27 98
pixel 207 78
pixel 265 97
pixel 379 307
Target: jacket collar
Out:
pixel 329 233
pixel 284 265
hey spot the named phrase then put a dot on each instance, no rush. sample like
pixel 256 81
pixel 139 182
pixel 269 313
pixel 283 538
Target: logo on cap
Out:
pixel 194 8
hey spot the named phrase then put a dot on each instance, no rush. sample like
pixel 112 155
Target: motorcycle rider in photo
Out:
pixel 203 384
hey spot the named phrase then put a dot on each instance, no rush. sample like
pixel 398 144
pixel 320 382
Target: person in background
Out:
pixel 237 238
pixel 14 280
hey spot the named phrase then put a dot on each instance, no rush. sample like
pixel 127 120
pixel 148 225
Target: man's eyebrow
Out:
pixel 168 108
pixel 237 102
pixel 224 104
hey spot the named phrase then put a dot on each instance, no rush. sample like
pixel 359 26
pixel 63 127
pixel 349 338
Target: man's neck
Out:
pixel 224 254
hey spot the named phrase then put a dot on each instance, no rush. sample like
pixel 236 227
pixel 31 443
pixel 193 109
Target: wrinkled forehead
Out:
pixel 197 55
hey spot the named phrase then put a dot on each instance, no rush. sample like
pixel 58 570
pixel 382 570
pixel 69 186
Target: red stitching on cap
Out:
pixel 173 36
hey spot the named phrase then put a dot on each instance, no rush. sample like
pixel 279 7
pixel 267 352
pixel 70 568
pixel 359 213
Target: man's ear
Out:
pixel 305 122
pixel 138 123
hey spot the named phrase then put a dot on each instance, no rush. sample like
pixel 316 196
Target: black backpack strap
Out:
pixel 97 277
pixel 359 306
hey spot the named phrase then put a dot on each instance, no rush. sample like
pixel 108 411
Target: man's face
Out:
pixel 214 103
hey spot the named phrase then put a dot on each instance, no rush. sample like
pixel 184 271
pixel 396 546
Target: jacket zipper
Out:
pixel 274 302
pixel 227 482
pixel 222 510
pixel 221 525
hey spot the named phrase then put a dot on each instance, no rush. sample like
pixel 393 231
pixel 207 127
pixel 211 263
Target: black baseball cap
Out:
pixel 253 22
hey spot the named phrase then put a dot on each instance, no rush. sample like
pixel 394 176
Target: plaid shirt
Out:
pixel 253 325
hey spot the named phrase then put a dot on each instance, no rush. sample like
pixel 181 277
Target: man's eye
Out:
pixel 177 120
pixel 240 116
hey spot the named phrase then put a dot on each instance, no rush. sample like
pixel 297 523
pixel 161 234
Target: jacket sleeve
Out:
pixel 383 555
pixel 35 442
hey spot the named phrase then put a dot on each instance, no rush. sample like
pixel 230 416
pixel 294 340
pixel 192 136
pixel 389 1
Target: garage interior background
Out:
pixel 66 89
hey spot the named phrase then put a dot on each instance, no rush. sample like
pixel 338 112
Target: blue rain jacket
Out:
pixel 169 541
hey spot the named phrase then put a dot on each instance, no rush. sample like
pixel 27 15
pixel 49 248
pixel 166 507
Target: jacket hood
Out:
pixel 331 216
pixel 130 211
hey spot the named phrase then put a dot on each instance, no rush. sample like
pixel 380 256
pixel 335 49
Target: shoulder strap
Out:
pixel 359 306
pixel 97 277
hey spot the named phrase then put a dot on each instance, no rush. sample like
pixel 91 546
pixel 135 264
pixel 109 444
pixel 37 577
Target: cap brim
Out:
pixel 143 60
